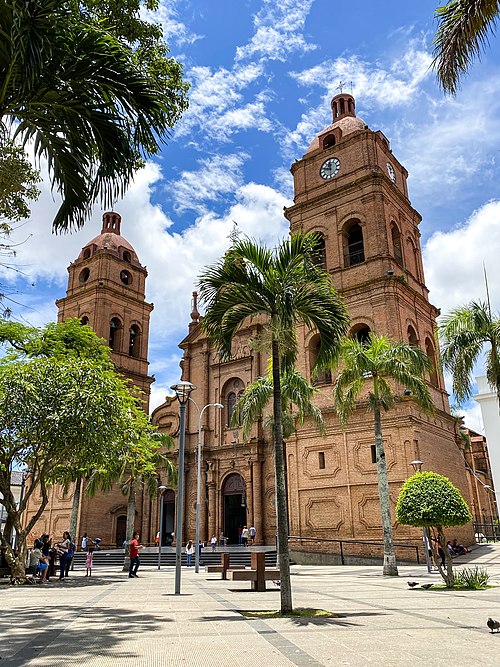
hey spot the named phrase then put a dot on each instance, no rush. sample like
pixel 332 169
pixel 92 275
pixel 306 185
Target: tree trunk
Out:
pixel 130 522
pixel 281 505
pixel 75 508
pixel 446 573
pixel 390 566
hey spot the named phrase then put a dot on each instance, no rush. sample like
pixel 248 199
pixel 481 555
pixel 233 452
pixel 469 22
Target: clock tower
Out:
pixel 351 189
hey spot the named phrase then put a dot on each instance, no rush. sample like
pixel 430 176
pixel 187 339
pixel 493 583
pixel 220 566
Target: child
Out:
pixel 89 561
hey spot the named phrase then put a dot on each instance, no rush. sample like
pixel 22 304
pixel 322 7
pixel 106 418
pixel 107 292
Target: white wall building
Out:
pixel 488 401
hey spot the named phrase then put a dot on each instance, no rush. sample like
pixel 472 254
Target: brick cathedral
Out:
pixel 351 189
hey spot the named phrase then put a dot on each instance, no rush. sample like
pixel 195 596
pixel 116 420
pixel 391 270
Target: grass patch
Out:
pixel 300 612
pixel 471 578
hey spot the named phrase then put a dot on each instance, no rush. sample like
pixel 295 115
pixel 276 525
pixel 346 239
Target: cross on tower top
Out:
pixel 341 85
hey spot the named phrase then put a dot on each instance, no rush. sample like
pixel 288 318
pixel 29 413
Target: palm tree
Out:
pixel 78 94
pixel 375 362
pixel 286 287
pixel 464 333
pixel 296 403
pixel 461 37
pixel 137 468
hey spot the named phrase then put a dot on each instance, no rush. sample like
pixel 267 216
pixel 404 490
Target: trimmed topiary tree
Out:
pixel 429 500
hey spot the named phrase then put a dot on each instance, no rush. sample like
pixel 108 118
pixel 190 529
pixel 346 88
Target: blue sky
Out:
pixel 262 76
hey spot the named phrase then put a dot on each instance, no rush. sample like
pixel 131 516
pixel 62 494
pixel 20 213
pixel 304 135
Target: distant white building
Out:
pixel 488 401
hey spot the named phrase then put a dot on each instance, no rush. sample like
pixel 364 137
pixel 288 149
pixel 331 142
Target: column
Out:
pixel 212 510
pixel 257 501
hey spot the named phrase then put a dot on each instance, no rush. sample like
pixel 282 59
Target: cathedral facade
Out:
pixel 351 189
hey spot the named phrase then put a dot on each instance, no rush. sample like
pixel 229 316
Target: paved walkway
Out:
pixel 113 620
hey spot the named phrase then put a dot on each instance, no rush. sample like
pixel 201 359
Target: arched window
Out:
pixel 84 320
pixel 115 327
pixel 412 336
pixel 126 256
pixel 329 141
pixel 429 350
pixel 361 332
pixel 354 251
pixel 321 251
pixel 134 342
pixel 322 376
pixel 86 253
pixel 231 392
pixel 396 244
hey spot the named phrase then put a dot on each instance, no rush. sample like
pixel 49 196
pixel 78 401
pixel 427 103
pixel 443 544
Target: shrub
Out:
pixel 474 578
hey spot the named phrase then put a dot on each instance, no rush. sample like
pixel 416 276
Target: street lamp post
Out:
pixel 162 490
pixel 198 482
pixel 417 467
pixel 182 390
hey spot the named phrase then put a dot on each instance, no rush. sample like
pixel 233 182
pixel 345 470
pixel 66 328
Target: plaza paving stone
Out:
pixel 110 619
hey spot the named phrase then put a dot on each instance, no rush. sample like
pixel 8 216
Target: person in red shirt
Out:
pixel 134 547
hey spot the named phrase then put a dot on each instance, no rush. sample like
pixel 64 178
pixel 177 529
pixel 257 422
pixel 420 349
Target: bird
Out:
pixel 412 584
pixel 427 586
pixel 277 583
pixel 493 625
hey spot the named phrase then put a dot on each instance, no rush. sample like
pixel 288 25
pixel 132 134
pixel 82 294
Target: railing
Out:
pixel 341 544
pixel 489 531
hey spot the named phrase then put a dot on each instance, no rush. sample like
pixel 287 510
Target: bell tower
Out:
pixel 351 189
pixel 106 290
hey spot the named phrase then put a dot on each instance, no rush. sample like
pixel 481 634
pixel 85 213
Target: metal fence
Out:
pixel 351 548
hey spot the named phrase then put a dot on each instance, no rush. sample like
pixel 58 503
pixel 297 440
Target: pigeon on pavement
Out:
pixel 493 625
pixel 412 584
pixel 427 586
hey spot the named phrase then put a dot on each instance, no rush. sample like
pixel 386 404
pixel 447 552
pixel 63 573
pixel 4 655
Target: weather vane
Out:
pixel 235 233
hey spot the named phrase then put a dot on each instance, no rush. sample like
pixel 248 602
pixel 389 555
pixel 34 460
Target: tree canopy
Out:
pixel 94 96
pixel 431 500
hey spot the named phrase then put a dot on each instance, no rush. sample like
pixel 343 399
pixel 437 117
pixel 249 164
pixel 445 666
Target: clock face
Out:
pixel 391 172
pixel 330 168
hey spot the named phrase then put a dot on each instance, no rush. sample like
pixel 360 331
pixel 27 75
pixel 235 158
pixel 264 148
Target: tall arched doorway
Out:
pixel 234 506
pixel 121 529
pixel 168 517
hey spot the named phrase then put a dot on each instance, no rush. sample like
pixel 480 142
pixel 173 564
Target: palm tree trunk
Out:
pixel 130 522
pixel 390 566
pixel 281 507
pixel 75 507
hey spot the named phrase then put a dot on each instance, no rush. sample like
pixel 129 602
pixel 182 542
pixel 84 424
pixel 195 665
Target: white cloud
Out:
pixel 279 29
pixel 218 175
pixel 216 104
pixel 454 260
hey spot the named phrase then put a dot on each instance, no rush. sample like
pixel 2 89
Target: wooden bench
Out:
pixel 257 574
pixel 224 566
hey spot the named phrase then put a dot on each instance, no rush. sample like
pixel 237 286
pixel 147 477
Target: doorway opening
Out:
pixel 234 507
pixel 168 517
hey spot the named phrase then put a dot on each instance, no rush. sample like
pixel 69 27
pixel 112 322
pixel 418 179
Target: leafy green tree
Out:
pixel 18 181
pixel 429 500
pixel 461 37
pixel 138 467
pixel 85 100
pixel 283 287
pixel 464 333
pixel 371 365
pixel 56 415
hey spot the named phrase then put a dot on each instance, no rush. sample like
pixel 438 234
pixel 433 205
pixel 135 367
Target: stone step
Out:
pixel 116 557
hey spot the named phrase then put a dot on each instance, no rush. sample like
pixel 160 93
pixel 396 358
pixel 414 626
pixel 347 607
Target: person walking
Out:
pixel 135 561
pixel 89 561
pixel 251 533
pixel 244 536
pixel 85 540
pixel 213 542
pixel 189 553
